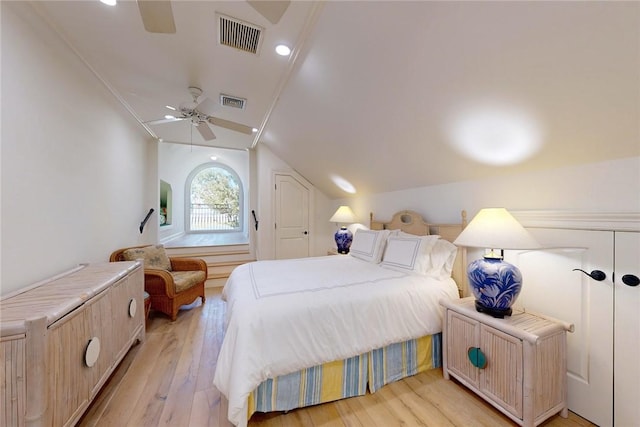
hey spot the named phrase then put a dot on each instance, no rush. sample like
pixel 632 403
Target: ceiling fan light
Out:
pixel 109 2
pixel 283 50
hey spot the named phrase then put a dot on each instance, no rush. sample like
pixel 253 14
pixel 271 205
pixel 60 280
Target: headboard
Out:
pixel 412 222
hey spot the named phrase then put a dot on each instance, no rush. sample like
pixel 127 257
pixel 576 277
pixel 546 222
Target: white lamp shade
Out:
pixel 344 215
pixel 496 228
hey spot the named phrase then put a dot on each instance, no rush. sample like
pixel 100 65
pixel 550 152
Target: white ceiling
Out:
pixel 378 93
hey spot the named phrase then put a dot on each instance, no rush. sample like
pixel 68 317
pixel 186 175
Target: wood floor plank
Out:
pixel 212 343
pixel 206 409
pixel 177 407
pixel 457 404
pixel 168 380
pixel 382 415
pixel 154 396
pixel 406 415
pixel 423 411
pixel 352 413
pixel 325 416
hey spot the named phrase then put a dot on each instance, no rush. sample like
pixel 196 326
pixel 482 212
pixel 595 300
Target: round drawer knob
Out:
pixel 477 357
pixel 133 306
pixel 92 352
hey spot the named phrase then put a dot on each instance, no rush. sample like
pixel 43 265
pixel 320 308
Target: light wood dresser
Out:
pixel 62 338
pixel 518 364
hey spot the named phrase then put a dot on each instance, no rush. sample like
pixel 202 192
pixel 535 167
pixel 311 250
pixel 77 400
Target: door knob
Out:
pixel 630 280
pixel 596 275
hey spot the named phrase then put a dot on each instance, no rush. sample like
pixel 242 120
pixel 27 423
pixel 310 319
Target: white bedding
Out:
pixel 287 315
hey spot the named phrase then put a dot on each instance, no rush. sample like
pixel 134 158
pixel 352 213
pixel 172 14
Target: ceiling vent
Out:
pixel 232 101
pixel 239 34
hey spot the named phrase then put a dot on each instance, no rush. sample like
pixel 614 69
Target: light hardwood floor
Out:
pixel 167 381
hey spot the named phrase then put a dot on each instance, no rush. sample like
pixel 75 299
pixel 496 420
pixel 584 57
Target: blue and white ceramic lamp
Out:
pixel 494 282
pixel 344 237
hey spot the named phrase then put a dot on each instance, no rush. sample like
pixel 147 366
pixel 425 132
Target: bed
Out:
pixel 306 331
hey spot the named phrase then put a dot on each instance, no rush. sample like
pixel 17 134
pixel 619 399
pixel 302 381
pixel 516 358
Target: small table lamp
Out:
pixel 344 237
pixel 494 282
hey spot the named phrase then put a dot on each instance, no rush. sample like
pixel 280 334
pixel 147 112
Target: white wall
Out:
pixel 320 231
pixel 76 168
pixel 611 186
pixel 324 230
pixel 177 161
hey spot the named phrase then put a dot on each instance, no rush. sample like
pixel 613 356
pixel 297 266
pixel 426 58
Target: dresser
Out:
pixel 518 364
pixel 61 339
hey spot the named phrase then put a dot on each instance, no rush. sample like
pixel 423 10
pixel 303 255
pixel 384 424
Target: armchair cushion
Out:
pixel 184 280
pixel 154 256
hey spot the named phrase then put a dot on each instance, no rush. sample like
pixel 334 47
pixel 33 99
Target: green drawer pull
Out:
pixel 477 357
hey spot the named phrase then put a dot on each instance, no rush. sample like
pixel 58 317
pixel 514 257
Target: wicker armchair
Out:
pixel 170 281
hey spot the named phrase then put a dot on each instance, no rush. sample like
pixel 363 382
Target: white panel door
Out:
pixel 551 287
pixel 292 218
pixel 627 330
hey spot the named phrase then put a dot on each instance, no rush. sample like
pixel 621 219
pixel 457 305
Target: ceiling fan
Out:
pixel 157 15
pixel 195 111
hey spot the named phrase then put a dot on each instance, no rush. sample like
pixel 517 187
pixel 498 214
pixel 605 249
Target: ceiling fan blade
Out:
pixel 205 131
pixel 157 16
pixel 206 106
pixel 228 124
pixel 272 10
pixel 157 122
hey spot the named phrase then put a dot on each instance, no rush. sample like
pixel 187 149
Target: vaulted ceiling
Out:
pixel 383 95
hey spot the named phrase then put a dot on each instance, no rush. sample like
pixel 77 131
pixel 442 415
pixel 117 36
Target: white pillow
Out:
pixel 443 255
pixel 409 253
pixel 368 245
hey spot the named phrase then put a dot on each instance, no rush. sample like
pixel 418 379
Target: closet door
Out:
pixel 292 217
pixel 627 330
pixel 552 287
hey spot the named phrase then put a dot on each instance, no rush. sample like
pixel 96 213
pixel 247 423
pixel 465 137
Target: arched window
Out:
pixel 214 202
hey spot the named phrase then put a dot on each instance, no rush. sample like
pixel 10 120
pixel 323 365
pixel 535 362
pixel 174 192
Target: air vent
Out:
pixel 239 34
pixel 232 101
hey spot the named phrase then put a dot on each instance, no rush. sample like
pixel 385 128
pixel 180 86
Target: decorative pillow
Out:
pixel 408 252
pixel 154 256
pixel 443 255
pixel 368 245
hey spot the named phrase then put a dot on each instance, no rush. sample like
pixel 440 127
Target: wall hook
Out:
pixel 144 221
pixel 596 275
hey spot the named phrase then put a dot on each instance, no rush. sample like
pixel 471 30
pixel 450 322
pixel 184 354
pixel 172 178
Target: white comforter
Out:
pixel 287 315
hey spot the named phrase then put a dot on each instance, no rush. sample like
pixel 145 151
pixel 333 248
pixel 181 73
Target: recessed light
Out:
pixel 170 107
pixel 254 130
pixel 109 2
pixel 283 50
pixel 169 116
pixel 214 158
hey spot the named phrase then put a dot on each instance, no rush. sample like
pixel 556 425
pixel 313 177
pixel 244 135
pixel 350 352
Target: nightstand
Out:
pixel 518 364
pixel 334 251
